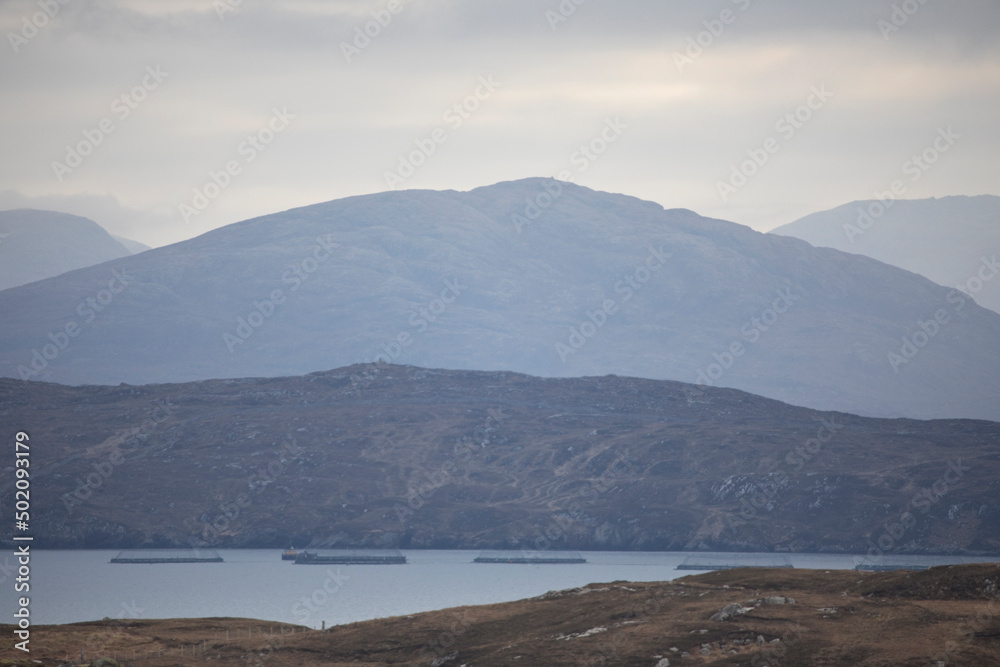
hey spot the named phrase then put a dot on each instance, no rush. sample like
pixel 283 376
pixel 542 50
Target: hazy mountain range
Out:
pixel 954 241
pixel 534 276
pixel 41 244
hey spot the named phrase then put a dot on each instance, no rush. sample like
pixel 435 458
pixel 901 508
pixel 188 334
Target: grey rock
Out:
pixel 729 611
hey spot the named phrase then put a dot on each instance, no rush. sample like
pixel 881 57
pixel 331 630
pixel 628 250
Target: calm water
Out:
pixel 72 586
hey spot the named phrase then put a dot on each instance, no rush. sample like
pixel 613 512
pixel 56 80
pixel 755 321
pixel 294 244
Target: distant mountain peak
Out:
pixel 946 239
pixel 534 276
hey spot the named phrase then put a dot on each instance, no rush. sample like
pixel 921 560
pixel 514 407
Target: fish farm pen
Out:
pixel 352 557
pixel 168 556
pixel 734 561
pixel 889 567
pixel 530 557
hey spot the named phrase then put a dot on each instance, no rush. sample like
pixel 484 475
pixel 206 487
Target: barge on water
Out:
pixel 729 566
pixel 871 567
pixel 530 558
pixel 351 558
pixel 735 561
pixel 168 556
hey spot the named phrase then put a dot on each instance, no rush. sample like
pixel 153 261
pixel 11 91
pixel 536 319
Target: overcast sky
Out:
pixel 331 112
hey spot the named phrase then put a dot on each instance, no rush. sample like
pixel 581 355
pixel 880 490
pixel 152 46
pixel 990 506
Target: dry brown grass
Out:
pixel 838 619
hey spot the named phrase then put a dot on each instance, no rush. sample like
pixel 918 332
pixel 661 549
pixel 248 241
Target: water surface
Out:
pixel 73 585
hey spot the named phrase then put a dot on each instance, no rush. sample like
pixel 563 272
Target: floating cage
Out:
pixel 531 557
pixel 872 567
pixel 351 557
pixel 148 556
pixel 889 564
pixel 733 561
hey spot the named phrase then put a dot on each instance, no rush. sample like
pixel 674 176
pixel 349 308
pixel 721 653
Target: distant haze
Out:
pixel 954 241
pixel 535 276
pixel 41 244
pixel 128 109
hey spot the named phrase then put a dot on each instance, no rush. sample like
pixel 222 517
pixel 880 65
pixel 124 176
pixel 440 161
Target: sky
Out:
pixel 162 120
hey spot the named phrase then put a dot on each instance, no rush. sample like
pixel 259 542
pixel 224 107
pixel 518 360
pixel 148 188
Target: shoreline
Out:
pixel 723 617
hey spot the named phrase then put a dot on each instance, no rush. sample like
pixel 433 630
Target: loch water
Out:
pixel 69 586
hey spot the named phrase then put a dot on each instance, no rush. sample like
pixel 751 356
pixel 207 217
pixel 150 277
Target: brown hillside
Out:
pixel 800 617
pixel 405 457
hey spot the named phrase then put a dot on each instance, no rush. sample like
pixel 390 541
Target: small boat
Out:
pixel 289 554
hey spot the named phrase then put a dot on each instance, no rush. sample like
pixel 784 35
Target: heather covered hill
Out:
pixel 398 456
pixel 945 615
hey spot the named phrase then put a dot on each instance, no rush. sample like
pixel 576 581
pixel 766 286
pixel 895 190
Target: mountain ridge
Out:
pixel 37 244
pixel 382 455
pixel 629 287
pixel 948 239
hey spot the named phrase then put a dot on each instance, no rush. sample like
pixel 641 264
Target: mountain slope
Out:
pixel 134 247
pixel 953 241
pixel 384 455
pixel 40 244
pixel 532 276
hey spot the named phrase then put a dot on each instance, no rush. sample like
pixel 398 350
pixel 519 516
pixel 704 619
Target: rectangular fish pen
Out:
pixel 733 561
pixel 888 568
pixel 884 564
pixel 531 557
pixel 156 556
pixel 351 557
